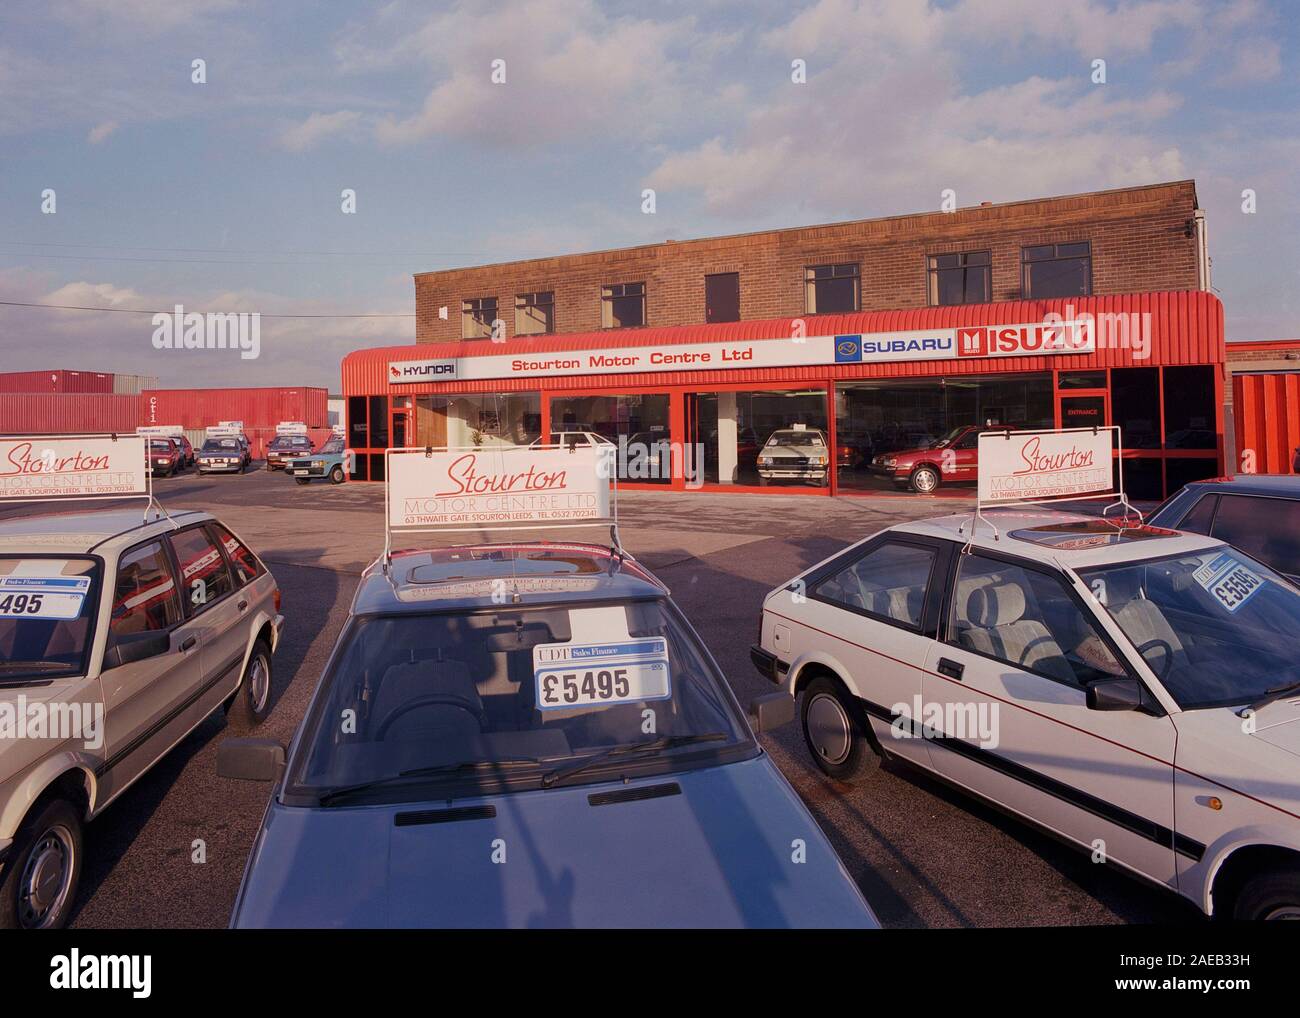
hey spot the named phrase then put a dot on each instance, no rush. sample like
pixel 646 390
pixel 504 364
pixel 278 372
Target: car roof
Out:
pixel 530 574
pixel 1078 540
pixel 1281 485
pixel 83 531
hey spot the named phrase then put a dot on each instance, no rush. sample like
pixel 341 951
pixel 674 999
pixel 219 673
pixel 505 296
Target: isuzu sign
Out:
pixel 1016 466
pixel 510 486
pixel 421 371
pixel 71 467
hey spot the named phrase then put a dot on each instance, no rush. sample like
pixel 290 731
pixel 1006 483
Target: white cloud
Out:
pixel 101 131
pixel 316 128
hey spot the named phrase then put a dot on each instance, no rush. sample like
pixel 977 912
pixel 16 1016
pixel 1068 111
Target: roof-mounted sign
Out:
pixel 160 430
pixel 226 429
pixel 72 467
pixel 291 428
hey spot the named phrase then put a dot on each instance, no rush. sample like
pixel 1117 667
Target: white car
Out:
pixel 1133 690
pixel 119 635
pixel 795 454
pixel 575 439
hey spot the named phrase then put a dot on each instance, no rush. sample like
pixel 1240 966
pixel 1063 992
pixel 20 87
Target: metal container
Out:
pixel 35 413
pixel 257 408
pixel 56 380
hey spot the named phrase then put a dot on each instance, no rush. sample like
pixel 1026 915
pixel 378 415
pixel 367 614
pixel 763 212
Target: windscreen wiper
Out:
pixel 1269 695
pixel 417 772
pixel 665 742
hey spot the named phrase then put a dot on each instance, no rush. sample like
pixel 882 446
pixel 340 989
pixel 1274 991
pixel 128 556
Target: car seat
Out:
pixel 997 626
pixel 448 702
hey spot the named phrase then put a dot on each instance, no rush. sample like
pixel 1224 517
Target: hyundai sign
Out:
pixel 421 371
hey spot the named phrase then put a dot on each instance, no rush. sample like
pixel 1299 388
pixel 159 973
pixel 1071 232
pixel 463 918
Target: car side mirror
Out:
pixel 124 648
pixel 1115 694
pixel 250 759
pixel 771 710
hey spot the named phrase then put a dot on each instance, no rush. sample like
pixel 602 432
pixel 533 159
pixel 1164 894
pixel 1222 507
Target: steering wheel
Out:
pixel 1168 656
pixel 428 700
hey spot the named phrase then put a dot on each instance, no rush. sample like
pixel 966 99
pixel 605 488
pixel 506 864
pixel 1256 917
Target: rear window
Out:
pixel 47 610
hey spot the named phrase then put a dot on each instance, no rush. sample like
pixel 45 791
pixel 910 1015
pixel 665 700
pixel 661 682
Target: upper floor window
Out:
pixel 965 278
pixel 535 313
pixel 831 289
pixel 1056 270
pixel 722 297
pixel 477 316
pixel 622 305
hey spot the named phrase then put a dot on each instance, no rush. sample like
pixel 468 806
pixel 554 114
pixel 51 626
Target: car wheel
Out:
pixel 303 480
pixel 924 480
pixel 833 730
pixel 268 466
pixel 251 702
pixel 1273 894
pixel 40 879
pixel 336 475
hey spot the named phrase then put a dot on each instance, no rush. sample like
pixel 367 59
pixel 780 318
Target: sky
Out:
pixel 226 194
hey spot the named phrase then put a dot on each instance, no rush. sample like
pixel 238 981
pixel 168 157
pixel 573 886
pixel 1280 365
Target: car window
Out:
pixel 969 442
pixel 1027 619
pixel 1198 520
pixel 243 563
pixel 890 580
pixel 47 607
pixel 1264 528
pixel 144 597
pixel 204 578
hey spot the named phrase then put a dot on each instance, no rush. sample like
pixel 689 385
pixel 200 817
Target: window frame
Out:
pixel 468 313
pixel 176 570
pixel 531 301
pixel 932 276
pixel 929 604
pixel 1026 294
pixel 810 284
pixel 170 557
pixel 607 298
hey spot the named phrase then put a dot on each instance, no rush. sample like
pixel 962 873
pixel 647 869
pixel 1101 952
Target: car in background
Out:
pixel 187 450
pixel 225 454
pixel 327 462
pixel 283 448
pixel 151 623
pixel 569 755
pixel 798 454
pixel 574 440
pixel 1132 689
pixel 953 457
pixel 1257 513
pixel 166 457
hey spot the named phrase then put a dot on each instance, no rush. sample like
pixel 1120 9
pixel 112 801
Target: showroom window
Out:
pixel 1190 418
pixel 1056 270
pixel 832 289
pixel 358 432
pixel 635 423
pixel 477 420
pixel 728 433
pixel 476 317
pixel 1135 406
pixel 965 278
pixel 535 313
pixel 622 305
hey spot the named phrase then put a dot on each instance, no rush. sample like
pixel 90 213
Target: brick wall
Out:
pixel 1137 236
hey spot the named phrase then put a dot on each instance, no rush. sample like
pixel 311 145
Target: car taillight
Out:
pixel 277 600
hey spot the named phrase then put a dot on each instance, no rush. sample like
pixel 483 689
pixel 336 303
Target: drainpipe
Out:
pixel 1202 250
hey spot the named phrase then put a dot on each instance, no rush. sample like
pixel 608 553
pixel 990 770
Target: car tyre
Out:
pixel 303 480
pixel 251 702
pixel 44 867
pixel 1273 894
pixel 924 480
pixel 336 474
pixel 835 731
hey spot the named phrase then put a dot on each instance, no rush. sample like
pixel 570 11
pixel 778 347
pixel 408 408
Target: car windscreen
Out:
pixel 1217 627
pixel 290 442
pixel 160 445
pixel 221 445
pixel 501 698
pixel 796 438
pixel 47 608
pixel 333 445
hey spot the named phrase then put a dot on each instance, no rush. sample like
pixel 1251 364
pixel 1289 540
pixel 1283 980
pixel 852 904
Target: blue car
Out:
pixel 329 461
pixel 530 735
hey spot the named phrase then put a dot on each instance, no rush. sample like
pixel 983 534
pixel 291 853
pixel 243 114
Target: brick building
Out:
pixel 850 340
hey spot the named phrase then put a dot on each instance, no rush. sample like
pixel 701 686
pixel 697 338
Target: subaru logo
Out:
pixel 848 348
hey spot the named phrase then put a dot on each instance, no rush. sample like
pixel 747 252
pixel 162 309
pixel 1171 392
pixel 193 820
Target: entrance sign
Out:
pixel 1024 466
pixel 67 467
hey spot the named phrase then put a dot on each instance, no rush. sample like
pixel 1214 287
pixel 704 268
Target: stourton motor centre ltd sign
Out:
pixel 52 466
pixel 1034 339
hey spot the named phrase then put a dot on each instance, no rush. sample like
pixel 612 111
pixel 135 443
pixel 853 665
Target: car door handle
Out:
pixel 243 606
pixel 188 642
pixel 950 668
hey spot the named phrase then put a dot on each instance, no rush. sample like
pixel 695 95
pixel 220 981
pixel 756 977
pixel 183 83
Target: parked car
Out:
pixel 568 756
pixel 795 454
pixel 227 454
pixel 953 457
pixel 329 461
pixel 283 448
pixel 153 625
pixel 1258 513
pixel 165 456
pixel 187 450
pixel 572 439
pixel 1134 690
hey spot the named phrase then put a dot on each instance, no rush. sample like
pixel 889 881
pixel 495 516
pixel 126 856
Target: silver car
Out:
pixel 118 636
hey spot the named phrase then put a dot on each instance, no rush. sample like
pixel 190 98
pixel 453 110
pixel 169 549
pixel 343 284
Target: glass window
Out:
pixel 144 597
pixel 379 422
pixel 637 424
pixel 1183 470
pixel 1135 406
pixel 1056 270
pixel 1189 408
pixel 1028 620
pixel 1082 380
pixel 204 578
pixel 1264 528
pixel 832 289
pixel 243 563
pixel 1198 520
pixel 535 313
pixel 960 278
pixel 622 305
pixel 722 297
pixel 759 437
pixel 478 420
pixel 891 580
pixel 477 316
pixel 47 608
pixel 358 433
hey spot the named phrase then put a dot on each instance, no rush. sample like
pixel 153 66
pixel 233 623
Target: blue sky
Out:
pixel 226 195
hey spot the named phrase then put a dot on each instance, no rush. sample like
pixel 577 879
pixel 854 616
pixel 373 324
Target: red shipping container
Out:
pixel 257 408
pixel 43 413
pixel 56 380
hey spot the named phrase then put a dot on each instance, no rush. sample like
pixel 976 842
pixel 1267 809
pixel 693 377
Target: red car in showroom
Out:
pixel 954 457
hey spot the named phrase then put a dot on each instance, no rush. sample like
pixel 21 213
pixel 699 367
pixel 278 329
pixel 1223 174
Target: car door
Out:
pixel 143 698
pixel 1006 685
pixel 210 601
pixel 873 612
pixel 965 458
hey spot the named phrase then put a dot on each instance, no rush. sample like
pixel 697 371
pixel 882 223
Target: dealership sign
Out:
pixel 66 467
pixel 506 486
pixel 1020 466
pixel 1029 340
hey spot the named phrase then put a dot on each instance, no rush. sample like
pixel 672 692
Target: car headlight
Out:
pixel 890 461
pixel 765 461
pixel 819 460
pixel 318 463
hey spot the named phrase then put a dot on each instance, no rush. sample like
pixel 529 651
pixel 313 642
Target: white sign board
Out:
pixel 234 425
pixel 223 431
pixel 291 428
pixel 1017 466
pixel 161 431
pixel 1033 339
pixel 61 466
pixel 509 486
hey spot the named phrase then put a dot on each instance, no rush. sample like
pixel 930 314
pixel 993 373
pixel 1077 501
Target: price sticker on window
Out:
pixel 600 674
pixel 42 597
pixel 1229 581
